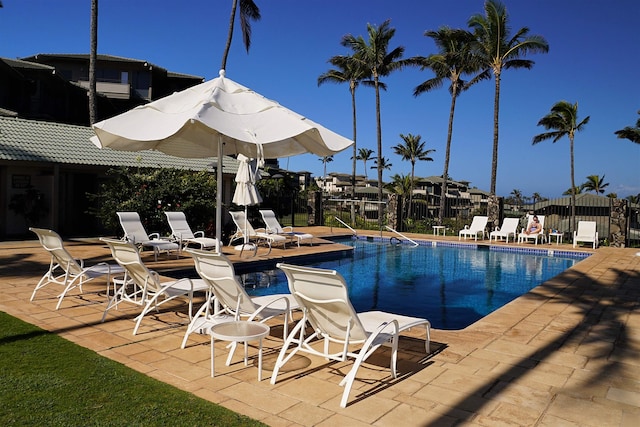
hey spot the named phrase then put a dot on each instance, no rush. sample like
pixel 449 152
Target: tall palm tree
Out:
pixel 577 189
pixel 499 51
pixel 364 154
pixel 453 60
pixel 630 133
pixel 413 149
pixel 517 197
pixel 402 185
pixel 375 56
pixel 595 183
pixel 563 120
pixel 248 12
pixel 325 160
pixel 93 54
pixel 383 164
pixel 347 70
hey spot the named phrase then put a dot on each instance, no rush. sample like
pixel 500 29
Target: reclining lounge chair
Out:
pixel 273 226
pixel 181 231
pixel 135 233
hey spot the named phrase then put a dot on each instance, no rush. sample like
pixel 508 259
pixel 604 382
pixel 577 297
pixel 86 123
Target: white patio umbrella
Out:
pixel 215 118
pixel 246 193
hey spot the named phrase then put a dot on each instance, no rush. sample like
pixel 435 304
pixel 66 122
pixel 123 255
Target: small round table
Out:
pixel 437 228
pixel 239 331
pixel 558 237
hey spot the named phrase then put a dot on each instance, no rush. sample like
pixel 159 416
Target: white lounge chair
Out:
pixel 323 296
pixel 532 236
pixel 273 226
pixel 478 225
pixel 135 233
pixel 509 228
pixel 143 287
pixel 586 233
pixel 229 301
pixel 67 271
pixel 246 232
pixel 181 231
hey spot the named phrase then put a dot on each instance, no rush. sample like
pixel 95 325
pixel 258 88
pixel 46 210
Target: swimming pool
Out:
pixel 451 285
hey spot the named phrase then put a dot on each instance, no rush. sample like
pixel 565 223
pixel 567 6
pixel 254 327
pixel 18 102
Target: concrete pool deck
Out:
pixel 565 354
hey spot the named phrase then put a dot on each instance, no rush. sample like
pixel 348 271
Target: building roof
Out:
pixel 48 142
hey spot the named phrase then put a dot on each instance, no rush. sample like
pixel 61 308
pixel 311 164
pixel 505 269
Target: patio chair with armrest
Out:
pixel 273 226
pixel 246 232
pixel 532 236
pixel 181 231
pixel 67 271
pixel 322 295
pixel 143 287
pixel 478 225
pixel 135 233
pixel 228 299
pixel 586 233
pixel 509 228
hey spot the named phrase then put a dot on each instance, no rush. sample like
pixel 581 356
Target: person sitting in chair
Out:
pixel 534 226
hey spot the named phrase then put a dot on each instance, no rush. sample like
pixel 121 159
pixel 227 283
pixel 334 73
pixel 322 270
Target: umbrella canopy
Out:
pixel 215 118
pixel 246 193
pixel 191 122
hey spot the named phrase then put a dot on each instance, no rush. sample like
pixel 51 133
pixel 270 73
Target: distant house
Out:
pixel 461 201
pixel 54 87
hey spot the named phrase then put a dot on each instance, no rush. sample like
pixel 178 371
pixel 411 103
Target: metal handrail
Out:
pixel 355 233
pixel 401 235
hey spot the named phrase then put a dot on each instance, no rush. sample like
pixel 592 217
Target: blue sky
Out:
pixel 593 60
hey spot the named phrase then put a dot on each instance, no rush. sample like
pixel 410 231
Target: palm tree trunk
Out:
pixel 447 157
pixel 496 114
pixel 573 187
pixel 379 136
pixel 353 169
pixel 93 53
pixel 227 47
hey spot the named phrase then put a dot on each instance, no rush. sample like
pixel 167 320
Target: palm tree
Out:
pixel 248 12
pixel 325 160
pixel 364 154
pixel 563 119
pixel 536 197
pixel 402 185
pixel 517 197
pixel 498 51
pixel 375 56
pixel 453 60
pixel 93 53
pixel 630 133
pixel 595 183
pixel 577 189
pixel 347 70
pixel 413 150
pixel 383 164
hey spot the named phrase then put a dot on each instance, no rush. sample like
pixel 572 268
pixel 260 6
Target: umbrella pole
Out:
pixel 219 198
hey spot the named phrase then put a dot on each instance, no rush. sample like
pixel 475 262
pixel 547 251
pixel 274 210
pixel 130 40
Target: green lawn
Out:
pixel 46 380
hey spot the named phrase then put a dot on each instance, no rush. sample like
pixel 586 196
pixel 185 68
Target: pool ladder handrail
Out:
pixel 402 235
pixel 355 233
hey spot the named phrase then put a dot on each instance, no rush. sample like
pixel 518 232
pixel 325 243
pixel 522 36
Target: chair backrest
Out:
pixel 323 295
pixel 540 221
pixel 271 221
pixel 132 226
pixel 127 256
pixel 586 229
pixel 218 272
pixel 479 223
pixel 240 219
pixel 510 225
pixel 52 242
pixel 179 225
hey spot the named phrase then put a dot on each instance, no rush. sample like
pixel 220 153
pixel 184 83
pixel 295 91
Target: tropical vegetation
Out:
pixel 413 149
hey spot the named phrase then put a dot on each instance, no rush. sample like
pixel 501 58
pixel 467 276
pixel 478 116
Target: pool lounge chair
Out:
pixel 135 233
pixel 586 233
pixel 67 271
pixel 509 228
pixel 323 296
pixel 246 232
pixel 228 299
pixel 478 225
pixel 533 236
pixel 143 287
pixel 273 226
pixel 181 231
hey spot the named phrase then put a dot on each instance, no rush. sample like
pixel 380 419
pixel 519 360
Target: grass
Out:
pixel 47 380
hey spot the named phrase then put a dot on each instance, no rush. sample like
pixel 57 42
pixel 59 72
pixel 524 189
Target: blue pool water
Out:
pixel 450 286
